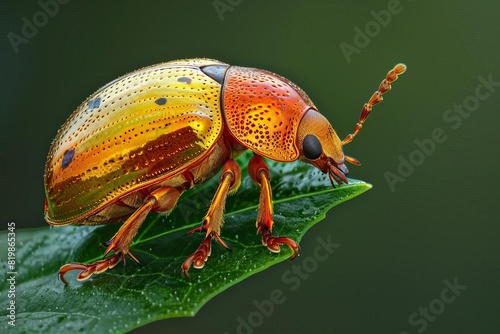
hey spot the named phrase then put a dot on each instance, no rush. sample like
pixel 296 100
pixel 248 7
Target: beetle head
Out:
pixel 320 146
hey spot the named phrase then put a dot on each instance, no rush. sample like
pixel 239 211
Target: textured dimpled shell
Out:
pixel 137 130
pixel 263 111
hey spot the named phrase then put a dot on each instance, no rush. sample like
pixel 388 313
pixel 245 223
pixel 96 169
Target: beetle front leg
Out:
pixel 259 172
pixel 160 200
pixel 230 181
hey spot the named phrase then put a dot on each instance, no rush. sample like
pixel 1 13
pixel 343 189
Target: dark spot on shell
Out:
pixel 68 156
pixel 161 101
pixel 185 79
pixel 95 103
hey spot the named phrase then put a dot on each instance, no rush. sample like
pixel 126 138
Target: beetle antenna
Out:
pixel 385 86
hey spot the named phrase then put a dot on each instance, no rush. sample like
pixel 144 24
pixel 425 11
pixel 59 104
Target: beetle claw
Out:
pixel 200 256
pixel 97 267
pixel 88 270
pixel 273 243
pixel 194 230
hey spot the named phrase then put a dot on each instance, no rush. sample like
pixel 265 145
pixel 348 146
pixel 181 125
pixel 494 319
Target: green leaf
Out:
pixel 130 296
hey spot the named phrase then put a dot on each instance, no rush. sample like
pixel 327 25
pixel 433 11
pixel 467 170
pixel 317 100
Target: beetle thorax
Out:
pixel 263 111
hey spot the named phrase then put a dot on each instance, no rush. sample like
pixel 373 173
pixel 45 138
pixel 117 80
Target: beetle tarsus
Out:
pixel 88 270
pixel 273 243
pixel 198 258
pixel 119 244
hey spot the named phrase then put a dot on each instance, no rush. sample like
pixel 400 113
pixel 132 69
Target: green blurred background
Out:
pixel 397 245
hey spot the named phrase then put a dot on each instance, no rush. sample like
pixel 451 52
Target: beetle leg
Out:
pixel 230 180
pixel 259 172
pixel 160 200
pixel 118 244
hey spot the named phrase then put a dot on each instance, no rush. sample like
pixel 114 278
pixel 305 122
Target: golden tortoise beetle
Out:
pixel 139 142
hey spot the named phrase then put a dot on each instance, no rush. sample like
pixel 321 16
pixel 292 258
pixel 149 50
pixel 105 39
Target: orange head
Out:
pixel 319 144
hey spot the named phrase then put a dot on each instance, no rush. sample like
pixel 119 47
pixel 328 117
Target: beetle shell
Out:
pixel 152 124
pixel 139 129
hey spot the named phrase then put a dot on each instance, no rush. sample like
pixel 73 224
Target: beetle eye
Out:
pixel 312 147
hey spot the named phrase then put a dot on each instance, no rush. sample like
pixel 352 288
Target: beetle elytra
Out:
pixel 139 142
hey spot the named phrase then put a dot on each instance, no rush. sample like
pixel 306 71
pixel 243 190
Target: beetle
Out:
pixel 139 142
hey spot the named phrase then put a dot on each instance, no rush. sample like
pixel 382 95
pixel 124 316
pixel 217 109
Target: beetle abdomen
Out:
pixel 137 130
